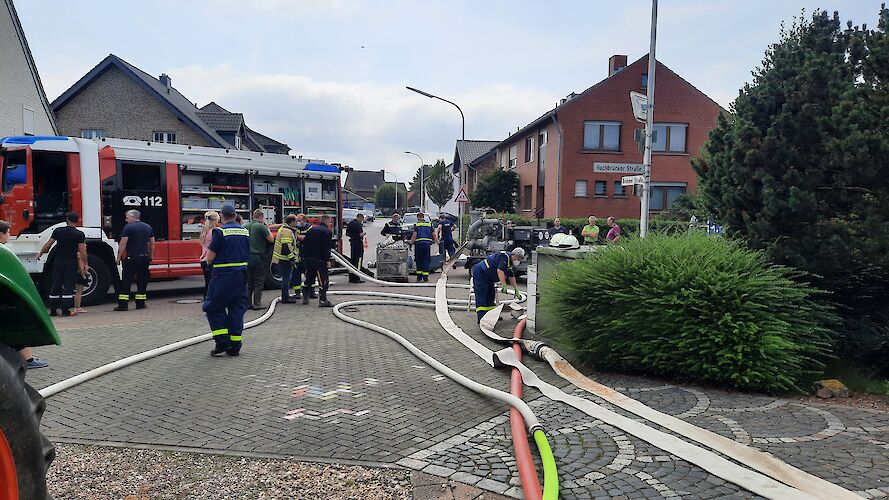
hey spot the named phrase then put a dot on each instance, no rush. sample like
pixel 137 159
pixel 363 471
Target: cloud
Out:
pixel 366 125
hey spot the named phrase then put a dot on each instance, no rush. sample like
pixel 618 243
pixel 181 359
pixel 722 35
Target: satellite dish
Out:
pixel 640 106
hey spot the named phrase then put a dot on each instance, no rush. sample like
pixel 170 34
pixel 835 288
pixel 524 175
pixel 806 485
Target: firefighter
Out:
pixel 422 239
pixel 355 232
pixel 445 232
pixel 135 250
pixel 284 255
pixel 496 267
pixel 316 246
pixel 226 300
pixel 393 228
pixel 299 268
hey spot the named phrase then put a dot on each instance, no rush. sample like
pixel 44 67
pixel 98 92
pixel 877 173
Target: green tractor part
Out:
pixel 25 454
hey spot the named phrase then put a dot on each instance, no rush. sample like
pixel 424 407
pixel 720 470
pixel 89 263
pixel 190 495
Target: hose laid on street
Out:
pixel 524 462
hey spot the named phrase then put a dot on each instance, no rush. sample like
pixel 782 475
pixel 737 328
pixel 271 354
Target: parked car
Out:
pixel 368 215
pixel 349 214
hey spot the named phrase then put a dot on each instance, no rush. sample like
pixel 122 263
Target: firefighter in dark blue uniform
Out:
pixel 393 228
pixel 317 242
pixel 226 300
pixel 446 236
pixel 496 267
pixel 422 239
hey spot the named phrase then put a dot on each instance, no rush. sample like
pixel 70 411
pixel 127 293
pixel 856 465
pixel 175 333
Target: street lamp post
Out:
pixel 462 137
pixel 396 186
pixel 422 180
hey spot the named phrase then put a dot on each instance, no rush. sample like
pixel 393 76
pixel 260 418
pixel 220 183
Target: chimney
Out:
pixel 165 79
pixel 616 63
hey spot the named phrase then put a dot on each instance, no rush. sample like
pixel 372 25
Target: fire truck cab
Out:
pixel 45 177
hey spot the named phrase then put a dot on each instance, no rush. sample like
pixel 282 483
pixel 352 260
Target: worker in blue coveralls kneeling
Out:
pixel 226 300
pixel 496 267
pixel 422 239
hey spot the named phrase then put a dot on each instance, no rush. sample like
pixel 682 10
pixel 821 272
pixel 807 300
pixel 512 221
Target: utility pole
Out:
pixel 649 125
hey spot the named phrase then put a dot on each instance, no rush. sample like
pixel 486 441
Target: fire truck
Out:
pixel 172 185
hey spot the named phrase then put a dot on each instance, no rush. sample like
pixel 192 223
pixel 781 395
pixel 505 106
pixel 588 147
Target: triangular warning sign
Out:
pixel 461 197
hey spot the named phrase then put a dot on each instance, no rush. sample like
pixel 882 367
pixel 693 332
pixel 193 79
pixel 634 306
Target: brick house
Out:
pixel 24 109
pixel 364 183
pixel 117 99
pixel 472 158
pixel 564 157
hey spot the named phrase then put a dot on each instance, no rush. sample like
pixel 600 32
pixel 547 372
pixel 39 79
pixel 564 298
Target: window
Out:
pixel 138 177
pixel 92 133
pixel 601 188
pixel 237 142
pixel 513 159
pixel 669 137
pixel 169 137
pixel 663 196
pixel 580 189
pixel 27 121
pixel 601 136
pixel 16 169
pixel 644 80
pixel 526 198
pixel 541 138
pixel 529 149
pixel 619 189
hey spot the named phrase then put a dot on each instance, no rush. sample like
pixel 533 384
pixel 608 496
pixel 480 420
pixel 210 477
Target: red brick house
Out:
pixel 566 158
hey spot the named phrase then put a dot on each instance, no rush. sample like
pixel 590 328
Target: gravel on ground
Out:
pixel 91 472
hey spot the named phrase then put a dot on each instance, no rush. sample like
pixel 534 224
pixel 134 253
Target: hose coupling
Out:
pixel 533 347
pixel 534 429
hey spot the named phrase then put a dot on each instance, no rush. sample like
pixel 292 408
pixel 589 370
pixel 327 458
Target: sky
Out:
pixel 328 77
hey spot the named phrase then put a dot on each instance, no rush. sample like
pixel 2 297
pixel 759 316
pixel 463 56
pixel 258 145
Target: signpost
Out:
pixel 631 180
pixel 649 123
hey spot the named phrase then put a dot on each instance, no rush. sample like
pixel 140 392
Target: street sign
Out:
pixel 617 168
pixel 631 180
pixel 461 197
pixel 640 106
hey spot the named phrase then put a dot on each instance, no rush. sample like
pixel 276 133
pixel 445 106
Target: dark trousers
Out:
pixel 449 248
pixel 316 268
pixel 356 257
pixel 291 274
pixel 484 291
pixel 134 269
pixel 256 269
pixel 225 305
pixel 61 293
pixel 423 256
pixel 206 269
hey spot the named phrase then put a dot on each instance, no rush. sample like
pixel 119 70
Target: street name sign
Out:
pixel 631 180
pixel 617 168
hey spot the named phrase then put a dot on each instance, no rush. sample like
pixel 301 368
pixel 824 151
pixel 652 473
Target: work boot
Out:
pixel 121 307
pixel 140 304
pixel 323 302
pixel 218 352
pixel 305 296
pixel 312 294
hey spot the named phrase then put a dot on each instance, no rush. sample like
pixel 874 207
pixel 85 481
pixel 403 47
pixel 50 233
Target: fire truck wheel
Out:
pixel 25 453
pixel 98 281
pixel 272 279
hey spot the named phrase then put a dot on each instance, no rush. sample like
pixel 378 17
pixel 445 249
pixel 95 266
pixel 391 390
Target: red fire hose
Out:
pixel 527 471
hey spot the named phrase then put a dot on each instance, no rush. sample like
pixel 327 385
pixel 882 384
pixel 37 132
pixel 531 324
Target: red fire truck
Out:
pixel 44 177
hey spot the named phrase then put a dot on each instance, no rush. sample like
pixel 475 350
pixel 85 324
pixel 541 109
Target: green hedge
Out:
pixel 692 307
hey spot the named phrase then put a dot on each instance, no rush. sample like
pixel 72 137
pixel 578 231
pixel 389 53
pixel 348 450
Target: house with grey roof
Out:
pixel 364 183
pixel 472 159
pixel 117 99
pixel 24 109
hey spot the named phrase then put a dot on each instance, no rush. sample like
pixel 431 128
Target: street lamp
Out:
pixel 462 137
pixel 422 181
pixel 396 186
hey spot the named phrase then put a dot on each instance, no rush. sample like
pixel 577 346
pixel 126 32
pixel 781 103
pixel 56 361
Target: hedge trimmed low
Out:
pixel 694 307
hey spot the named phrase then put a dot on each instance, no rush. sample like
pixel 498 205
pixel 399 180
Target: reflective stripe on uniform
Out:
pixel 235 338
pixel 141 296
pixel 221 331
pixel 484 308
pixel 231 264
pixel 123 296
pixel 235 231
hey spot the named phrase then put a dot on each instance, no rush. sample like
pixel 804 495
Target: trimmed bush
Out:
pixel 629 227
pixel 693 307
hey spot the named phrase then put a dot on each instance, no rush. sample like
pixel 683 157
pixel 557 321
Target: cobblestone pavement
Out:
pixel 312 387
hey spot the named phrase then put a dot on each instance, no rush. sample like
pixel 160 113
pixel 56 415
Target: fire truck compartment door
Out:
pixel 18 190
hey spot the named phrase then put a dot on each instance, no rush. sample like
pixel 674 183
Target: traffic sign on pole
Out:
pixel 461 197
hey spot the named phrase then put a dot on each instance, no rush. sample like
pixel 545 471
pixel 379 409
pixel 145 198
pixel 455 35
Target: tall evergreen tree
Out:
pixel 498 190
pixel 797 169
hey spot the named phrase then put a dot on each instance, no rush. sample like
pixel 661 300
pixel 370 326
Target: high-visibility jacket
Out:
pixel 285 246
pixel 424 233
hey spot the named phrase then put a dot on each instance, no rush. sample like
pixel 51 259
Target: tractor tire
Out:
pixel 21 442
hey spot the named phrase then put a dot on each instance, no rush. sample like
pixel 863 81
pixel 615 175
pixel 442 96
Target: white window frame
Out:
pixel 665 185
pixel 92 133
pixel 601 124
pixel 29 121
pixel 238 142
pixel 165 136
pixel 529 149
pixel 513 158
pixel 581 188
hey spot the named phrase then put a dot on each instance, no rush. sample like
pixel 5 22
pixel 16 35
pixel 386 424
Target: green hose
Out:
pixel 550 475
